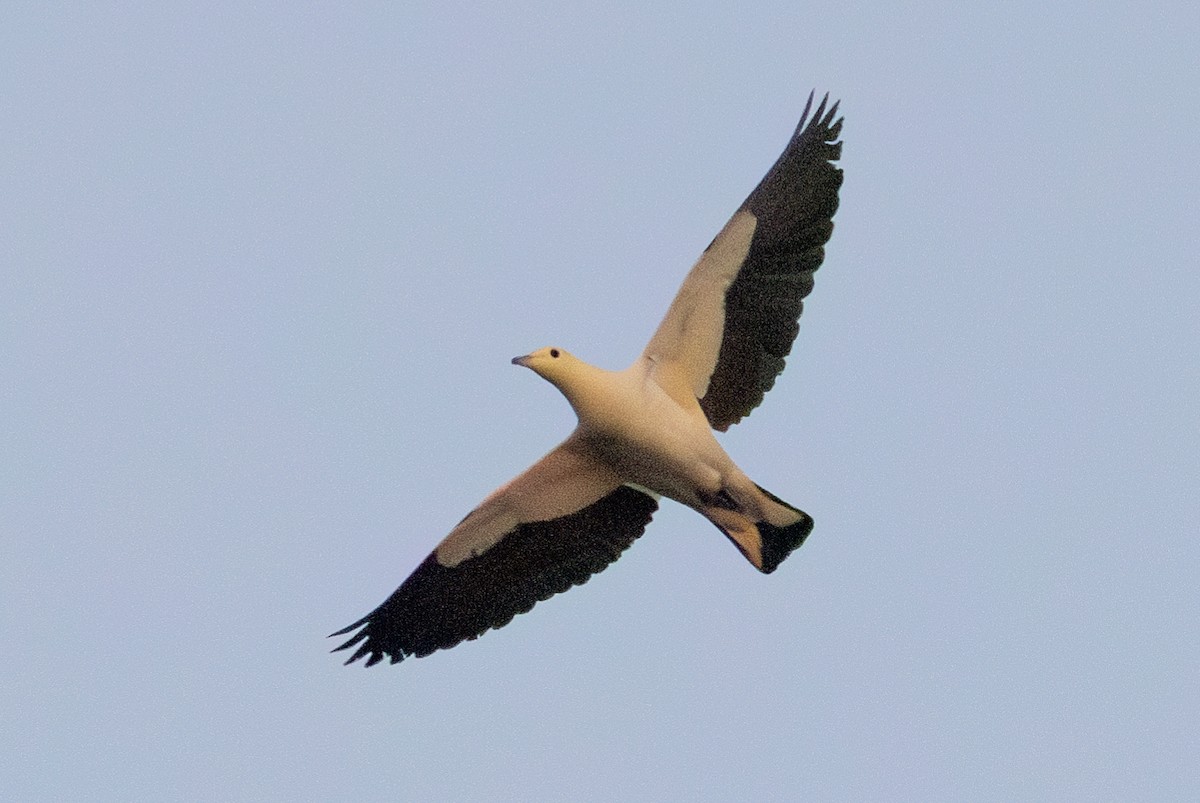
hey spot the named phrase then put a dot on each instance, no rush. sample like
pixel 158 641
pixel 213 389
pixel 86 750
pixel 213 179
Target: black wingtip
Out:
pixel 348 628
pixel 812 93
pixel 367 648
pixel 821 118
pixel 350 642
pixel 819 114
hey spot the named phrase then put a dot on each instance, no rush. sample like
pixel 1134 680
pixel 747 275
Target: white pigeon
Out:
pixel 643 432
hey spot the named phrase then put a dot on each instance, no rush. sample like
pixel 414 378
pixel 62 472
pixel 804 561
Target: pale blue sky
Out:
pixel 261 275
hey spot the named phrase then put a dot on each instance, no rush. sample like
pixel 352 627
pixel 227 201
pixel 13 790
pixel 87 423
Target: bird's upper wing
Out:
pixel 726 334
pixel 554 526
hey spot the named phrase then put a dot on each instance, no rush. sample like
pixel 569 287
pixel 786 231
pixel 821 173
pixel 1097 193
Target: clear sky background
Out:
pixel 262 271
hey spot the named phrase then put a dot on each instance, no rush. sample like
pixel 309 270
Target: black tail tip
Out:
pixel 779 542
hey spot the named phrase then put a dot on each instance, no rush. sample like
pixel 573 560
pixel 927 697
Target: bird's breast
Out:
pixel 648 439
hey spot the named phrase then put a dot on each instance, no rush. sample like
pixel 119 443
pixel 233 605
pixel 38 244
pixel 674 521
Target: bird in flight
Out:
pixel 644 432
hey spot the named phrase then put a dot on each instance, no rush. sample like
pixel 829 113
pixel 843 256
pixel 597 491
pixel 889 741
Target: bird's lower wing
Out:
pixel 551 528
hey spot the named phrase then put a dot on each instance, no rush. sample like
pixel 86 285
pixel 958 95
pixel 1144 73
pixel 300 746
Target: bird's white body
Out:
pixel 646 436
pixel 630 424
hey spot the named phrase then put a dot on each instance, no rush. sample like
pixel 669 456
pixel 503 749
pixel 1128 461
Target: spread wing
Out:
pixel 726 334
pixel 552 527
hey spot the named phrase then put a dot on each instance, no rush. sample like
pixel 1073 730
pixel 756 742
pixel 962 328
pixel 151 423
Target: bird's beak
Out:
pixel 521 361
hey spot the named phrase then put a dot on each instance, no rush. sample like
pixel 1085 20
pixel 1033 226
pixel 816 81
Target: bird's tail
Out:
pixel 767 536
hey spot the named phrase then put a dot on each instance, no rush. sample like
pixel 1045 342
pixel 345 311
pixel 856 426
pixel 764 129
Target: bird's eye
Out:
pixel 554 353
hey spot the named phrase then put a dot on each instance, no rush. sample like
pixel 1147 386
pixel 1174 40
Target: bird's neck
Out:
pixel 597 396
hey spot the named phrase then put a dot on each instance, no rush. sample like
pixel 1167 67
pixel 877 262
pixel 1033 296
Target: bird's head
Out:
pixel 551 363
